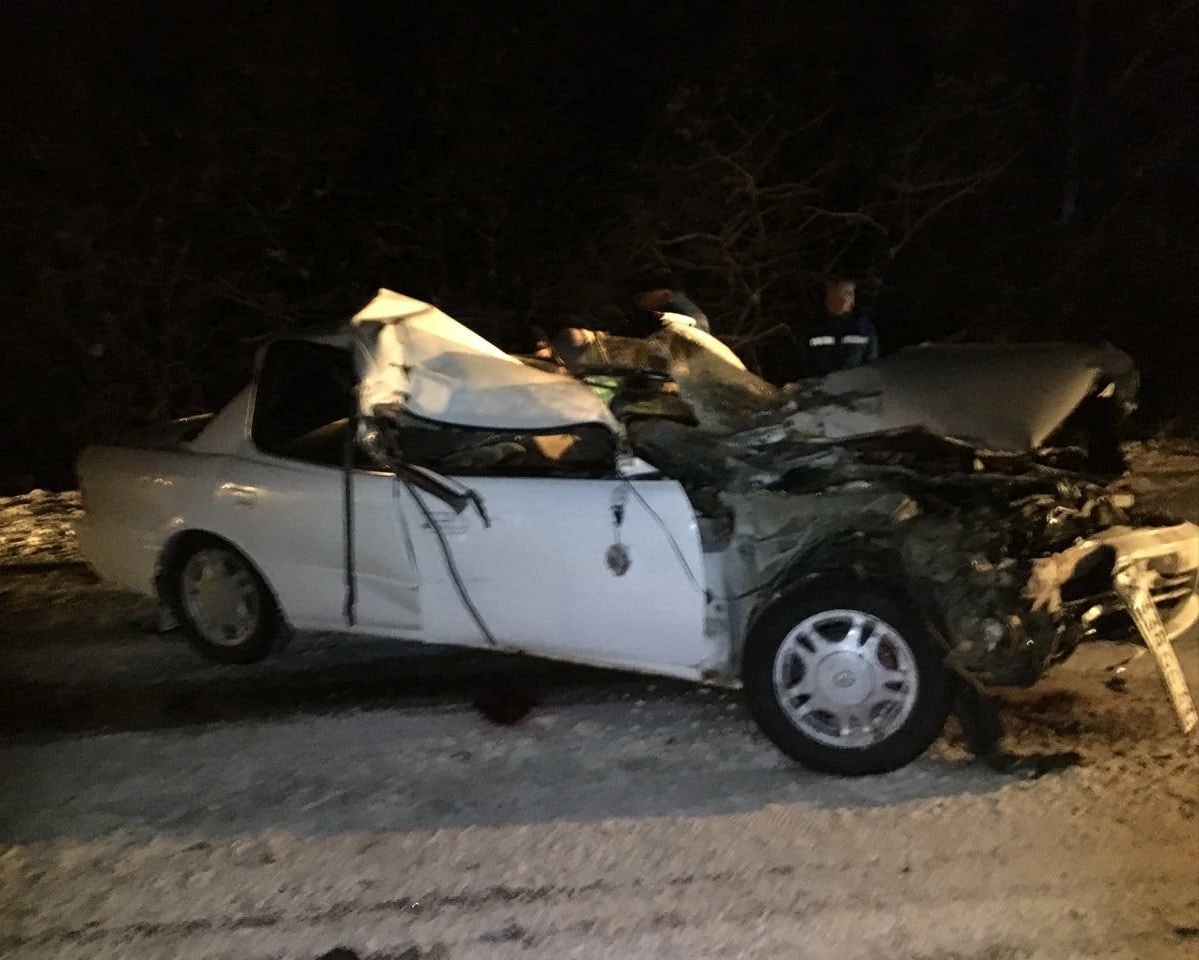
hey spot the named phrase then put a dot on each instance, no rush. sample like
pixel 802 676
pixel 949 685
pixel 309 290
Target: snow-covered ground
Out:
pixel 38 528
pixel 623 818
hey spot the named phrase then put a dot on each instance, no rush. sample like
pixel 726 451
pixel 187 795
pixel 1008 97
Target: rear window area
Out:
pixel 304 400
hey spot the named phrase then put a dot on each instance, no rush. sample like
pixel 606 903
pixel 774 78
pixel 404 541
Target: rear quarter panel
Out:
pixel 134 501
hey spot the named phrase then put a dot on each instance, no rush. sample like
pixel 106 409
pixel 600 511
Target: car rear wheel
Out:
pixel 847 682
pixel 226 609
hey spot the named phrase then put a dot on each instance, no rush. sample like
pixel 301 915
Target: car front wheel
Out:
pixel 846 682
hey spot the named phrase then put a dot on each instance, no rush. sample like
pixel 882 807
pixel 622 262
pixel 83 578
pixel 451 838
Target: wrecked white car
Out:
pixel 835 548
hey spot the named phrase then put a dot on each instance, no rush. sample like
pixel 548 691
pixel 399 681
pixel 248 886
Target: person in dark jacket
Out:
pixel 842 338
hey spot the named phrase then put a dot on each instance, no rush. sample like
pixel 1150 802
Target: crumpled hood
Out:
pixel 1002 397
pixel 1008 397
pixel 413 357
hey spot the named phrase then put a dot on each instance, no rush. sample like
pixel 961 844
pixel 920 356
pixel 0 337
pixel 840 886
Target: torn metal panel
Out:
pixel 1170 556
pixel 680 326
pixel 583 351
pixel 1134 582
pixel 414 358
pixel 721 395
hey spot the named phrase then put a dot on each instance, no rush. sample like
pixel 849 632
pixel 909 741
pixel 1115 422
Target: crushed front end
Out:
pixel 1010 558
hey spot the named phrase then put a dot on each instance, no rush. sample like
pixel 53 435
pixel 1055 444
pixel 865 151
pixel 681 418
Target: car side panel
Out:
pixel 539 572
pixel 287 517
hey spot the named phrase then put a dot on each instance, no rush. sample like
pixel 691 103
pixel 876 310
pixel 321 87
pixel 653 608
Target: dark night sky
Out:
pixel 554 122
pixel 613 63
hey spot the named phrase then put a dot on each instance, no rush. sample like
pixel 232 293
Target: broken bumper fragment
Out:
pixel 1167 559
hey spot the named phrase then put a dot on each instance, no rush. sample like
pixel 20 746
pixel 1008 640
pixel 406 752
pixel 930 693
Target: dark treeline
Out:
pixel 183 182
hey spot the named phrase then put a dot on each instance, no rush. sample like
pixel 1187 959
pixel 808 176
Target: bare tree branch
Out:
pixel 1148 50
pixel 982 178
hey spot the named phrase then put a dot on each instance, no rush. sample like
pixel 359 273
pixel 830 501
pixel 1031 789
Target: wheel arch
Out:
pixel 176 548
pixel 850 557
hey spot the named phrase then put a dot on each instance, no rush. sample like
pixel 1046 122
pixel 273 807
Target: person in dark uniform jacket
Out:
pixel 842 337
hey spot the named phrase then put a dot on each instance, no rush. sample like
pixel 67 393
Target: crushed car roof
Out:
pixel 417 359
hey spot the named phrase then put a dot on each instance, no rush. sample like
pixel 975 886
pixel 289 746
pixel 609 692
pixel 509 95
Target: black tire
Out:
pixel 903 739
pixel 264 628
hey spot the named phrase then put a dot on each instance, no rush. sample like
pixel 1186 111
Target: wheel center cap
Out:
pixel 218 600
pixel 844 679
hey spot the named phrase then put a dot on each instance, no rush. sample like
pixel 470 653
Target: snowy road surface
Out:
pixel 153 806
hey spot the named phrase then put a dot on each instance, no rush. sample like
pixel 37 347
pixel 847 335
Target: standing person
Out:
pixel 843 338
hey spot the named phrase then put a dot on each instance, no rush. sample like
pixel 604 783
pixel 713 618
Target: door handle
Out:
pixel 237 494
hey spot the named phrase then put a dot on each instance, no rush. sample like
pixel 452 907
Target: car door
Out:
pixel 283 500
pixel 601 571
pixel 289 518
